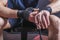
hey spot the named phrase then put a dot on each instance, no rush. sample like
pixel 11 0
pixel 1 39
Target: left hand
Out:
pixel 32 15
pixel 43 19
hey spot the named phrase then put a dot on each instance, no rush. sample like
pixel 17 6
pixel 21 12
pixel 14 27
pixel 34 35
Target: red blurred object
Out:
pixel 38 37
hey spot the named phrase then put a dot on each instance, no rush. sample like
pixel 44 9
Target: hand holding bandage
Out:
pixel 28 14
pixel 42 18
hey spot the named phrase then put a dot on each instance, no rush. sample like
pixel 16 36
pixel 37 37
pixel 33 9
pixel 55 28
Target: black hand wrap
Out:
pixel 48 9
pixel 24 13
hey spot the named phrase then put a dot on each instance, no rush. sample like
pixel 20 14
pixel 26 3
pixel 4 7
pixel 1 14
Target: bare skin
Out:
pixel 54 28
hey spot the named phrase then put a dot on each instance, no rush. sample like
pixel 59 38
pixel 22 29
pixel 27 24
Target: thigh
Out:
pixel 54 27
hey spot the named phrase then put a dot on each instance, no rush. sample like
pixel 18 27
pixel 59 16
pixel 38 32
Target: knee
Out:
pixel 1 22
pixel 54 18
pixel 55 27
pixel 55 21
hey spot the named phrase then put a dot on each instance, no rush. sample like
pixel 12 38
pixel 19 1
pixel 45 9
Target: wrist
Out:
pixel 24 13
pixel 48 9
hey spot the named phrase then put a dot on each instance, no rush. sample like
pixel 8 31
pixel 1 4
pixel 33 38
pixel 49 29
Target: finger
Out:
pixel 33 13
pixel 44 22
pixel 40 23
pixel 37 22
pixel 39 26
pixel 47 17
pixel 42 26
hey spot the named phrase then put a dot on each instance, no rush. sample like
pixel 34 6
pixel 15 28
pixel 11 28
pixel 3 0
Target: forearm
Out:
pixel 10 13
pixel 55 5
pixel 7 12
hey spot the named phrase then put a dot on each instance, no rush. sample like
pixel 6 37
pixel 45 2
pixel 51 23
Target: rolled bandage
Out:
pixel 24 13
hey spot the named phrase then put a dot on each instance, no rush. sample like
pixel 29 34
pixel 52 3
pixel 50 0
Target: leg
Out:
pixel 54 28
pixel 3 25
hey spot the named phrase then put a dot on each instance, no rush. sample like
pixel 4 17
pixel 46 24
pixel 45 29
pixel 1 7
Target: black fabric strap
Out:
pixel 24 13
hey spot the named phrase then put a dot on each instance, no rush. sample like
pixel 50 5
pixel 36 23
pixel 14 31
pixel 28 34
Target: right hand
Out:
pixel 42 19
pixel 32 15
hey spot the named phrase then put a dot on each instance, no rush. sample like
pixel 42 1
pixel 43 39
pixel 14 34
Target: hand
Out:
pixel 42 19
pixel 32 15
